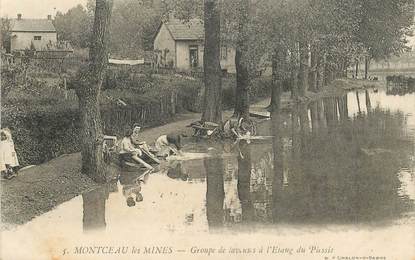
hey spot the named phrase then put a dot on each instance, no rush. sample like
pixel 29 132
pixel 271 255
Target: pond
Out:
pixel 335 168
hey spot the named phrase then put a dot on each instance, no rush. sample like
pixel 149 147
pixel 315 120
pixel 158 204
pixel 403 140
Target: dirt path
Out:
pixel 41 188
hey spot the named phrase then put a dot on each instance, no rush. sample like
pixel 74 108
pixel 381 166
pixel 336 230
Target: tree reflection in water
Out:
pixel 244 183
pixel 215 193
pixel 346 176
pixel 94 208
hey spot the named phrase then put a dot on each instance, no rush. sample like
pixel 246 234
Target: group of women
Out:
pixel 134 150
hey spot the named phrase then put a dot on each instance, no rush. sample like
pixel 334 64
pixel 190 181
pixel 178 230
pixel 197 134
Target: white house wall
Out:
pixel 22 40
pixel 229 63
pixel 165 41
pixel 183 54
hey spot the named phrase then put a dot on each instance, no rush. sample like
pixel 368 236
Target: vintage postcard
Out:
pixel 207 129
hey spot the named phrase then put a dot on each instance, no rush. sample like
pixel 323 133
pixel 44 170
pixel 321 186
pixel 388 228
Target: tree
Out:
pixel 212 105
pixel 133 26
pixel 5 34
pixel 241 61
pixel 74 26
pixel 88 90
pixel 383 28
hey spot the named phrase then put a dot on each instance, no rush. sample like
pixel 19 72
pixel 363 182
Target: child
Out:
pixel 8 156
pixel 168 144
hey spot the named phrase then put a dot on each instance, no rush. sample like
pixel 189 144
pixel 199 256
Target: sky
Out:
pixel 36 8
pixel 42 8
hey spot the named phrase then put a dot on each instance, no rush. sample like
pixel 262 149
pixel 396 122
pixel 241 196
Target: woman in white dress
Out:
pixel 8 156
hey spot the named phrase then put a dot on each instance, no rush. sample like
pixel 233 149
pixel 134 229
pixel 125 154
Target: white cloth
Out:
pixel 3 148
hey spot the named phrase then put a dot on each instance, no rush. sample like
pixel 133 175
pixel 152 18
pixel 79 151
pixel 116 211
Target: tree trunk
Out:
pixel 367 64
pixel 324 71
pixel 294 73
pixel 278 72
pixel 303 76
pixel 357 69
pixel 212 109
pixel 88 91
pixel 313 70
pixel 241 64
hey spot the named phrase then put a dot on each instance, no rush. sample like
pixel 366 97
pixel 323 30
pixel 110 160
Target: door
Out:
pixel 193 56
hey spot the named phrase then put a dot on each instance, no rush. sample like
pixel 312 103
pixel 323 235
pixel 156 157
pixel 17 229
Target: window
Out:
pixel 223 52
pixel 37 38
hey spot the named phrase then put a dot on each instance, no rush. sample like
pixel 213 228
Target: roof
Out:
pixel 32 25
pixel 186 30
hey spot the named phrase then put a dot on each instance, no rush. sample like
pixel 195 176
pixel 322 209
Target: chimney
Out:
pixel 49 17
pixel 19 16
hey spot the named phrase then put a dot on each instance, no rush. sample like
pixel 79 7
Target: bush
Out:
pixel 41 136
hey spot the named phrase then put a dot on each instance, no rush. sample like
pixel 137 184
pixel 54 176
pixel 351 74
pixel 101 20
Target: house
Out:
pixel 180 45
pixel 40 32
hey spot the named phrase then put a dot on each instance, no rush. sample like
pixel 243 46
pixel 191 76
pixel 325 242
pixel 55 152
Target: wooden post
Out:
pixel 65 88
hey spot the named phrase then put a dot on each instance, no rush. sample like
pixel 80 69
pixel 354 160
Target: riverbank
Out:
pixel 39 189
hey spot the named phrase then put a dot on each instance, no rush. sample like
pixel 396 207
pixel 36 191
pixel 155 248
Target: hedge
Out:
pixel 47 126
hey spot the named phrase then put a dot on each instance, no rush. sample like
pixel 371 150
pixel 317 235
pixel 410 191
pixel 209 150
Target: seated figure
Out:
pixel 129 153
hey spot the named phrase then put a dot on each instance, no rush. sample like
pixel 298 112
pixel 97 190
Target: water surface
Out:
pixel 340 165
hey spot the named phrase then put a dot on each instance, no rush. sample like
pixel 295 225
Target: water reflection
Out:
pixel 94 208
pixel 244 183
pixel 339 160
pixel 347 176
pixel 131 187
pixel 215 193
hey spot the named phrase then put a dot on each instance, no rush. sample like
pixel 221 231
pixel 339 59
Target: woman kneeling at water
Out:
pixel 129 153
pixel 168 144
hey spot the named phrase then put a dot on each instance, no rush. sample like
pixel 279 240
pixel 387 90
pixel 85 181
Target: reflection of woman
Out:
pixel 175 171
pixel 131 188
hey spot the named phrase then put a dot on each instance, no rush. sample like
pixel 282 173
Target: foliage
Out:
pixel 5 34
pixel 74 26
pixel 384 26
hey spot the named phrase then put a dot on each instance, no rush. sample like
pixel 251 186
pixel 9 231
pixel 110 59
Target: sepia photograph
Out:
pixel 207 129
